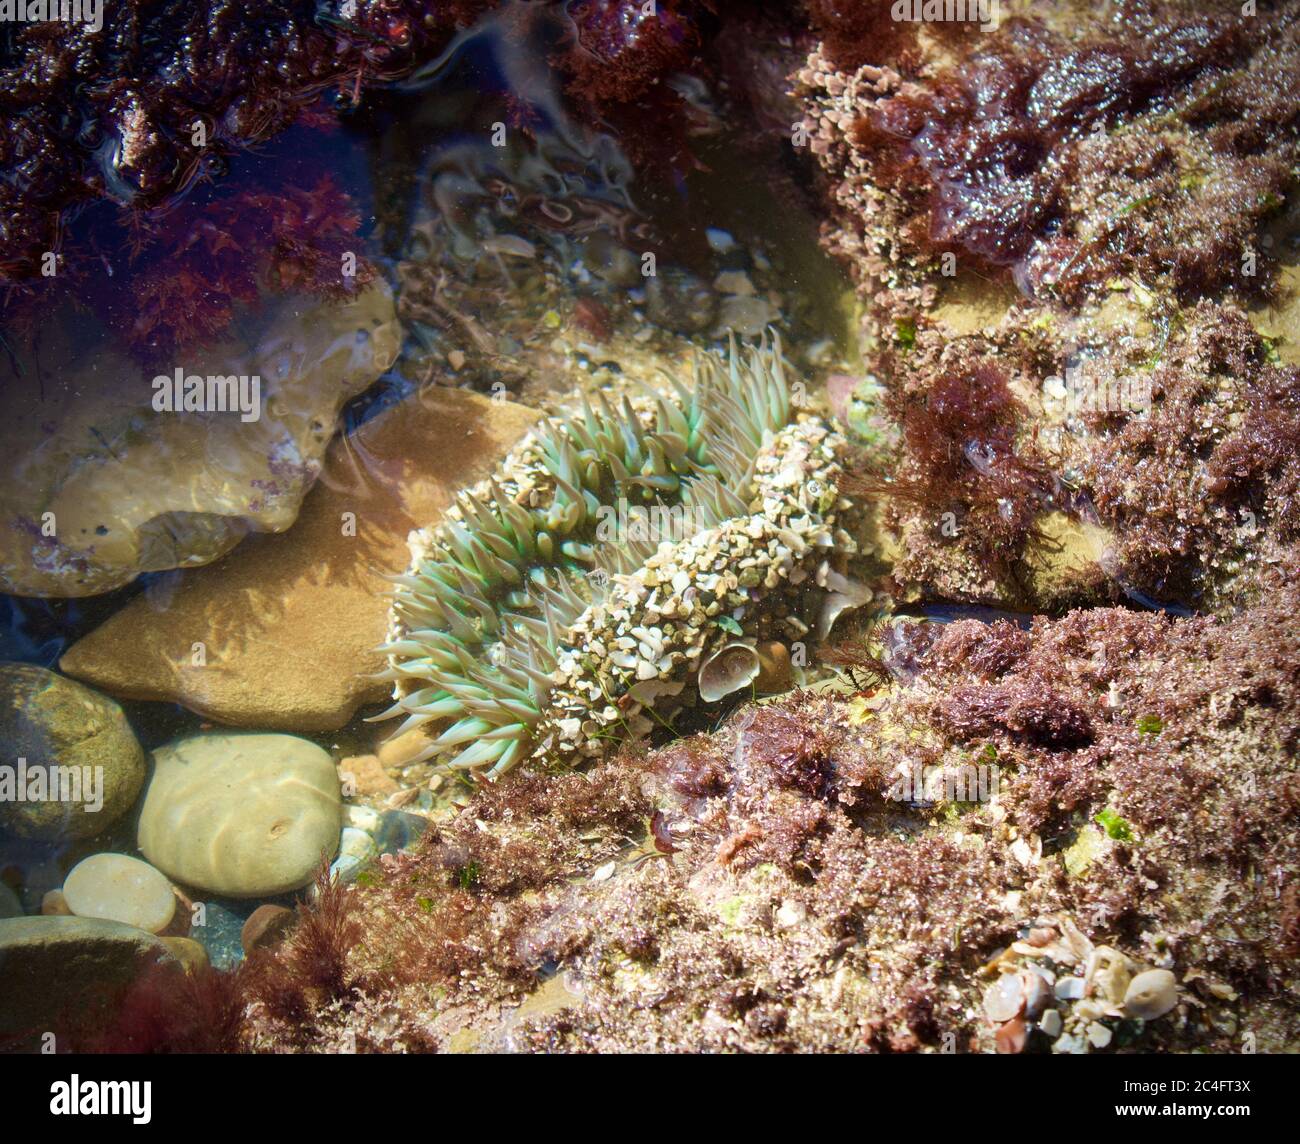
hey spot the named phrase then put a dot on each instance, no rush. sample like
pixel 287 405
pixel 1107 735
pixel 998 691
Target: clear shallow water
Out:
pixel 517 271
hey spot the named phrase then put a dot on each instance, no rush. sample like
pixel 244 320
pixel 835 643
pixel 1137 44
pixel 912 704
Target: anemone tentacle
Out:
pixel 522 629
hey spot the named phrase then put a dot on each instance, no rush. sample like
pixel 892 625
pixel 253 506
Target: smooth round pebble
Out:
pixel 1151 994
pixel 266 926
pixel 118 888
pixel 1005 998
pixel 55 905
pixel 190 953
pixel 241 815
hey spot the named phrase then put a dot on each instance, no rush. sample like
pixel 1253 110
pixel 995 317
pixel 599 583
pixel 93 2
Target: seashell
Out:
pixel 731 667
pixel 842 594
pixel 1151 994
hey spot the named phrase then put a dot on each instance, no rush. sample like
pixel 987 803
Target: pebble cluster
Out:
pixel 1054 983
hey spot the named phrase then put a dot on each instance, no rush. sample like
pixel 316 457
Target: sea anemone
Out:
pixel 616 548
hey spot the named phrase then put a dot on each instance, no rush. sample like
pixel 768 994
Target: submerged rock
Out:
pixel 241 815
pixel 55 722
pixel 119 888
pixel 282 633
pixel 99 484
pixel 61 972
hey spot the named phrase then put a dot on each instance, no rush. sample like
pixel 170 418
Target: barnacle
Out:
pixel 530 629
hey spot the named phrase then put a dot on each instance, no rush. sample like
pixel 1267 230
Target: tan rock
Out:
pixel 191 954
pixel 98 484
pixel 364 776
pixel 401 750
pixel 119 888
pixel 55 905
pixel 282 633
pixel 240 815
pixel 266 926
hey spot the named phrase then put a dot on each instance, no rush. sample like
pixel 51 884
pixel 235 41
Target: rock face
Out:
pixel 282 632
pixel 119 888
pixel 55 971
pixel 52 721
pixel 241 815
pixel 99 485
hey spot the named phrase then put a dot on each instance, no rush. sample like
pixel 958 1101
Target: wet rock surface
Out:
pixel 53 722
pixel 58 973
pixel 283 633
pixel 241 815
pixel 102 484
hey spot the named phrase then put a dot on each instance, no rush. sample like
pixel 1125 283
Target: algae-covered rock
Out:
pixel 99 484
pixel 62 971
pixel 241 815
pixel 51 721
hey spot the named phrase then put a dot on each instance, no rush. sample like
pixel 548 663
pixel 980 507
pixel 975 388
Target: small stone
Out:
pixel 1004 999
pixel 1051 1024
pixel 1037 995
pixel 365 777
pixel 266 926
pixel 118 888
pixel 603 873
pixel 55 905
pixel 1098 1035
pixel 1011 1037
pixel 190 953
pixel 1151 994
pixel 1070 1043
pixel 241 815
pixel 404 797
pixel 1069 988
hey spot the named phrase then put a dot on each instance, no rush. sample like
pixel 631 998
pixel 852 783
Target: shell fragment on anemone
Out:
pixel 617 549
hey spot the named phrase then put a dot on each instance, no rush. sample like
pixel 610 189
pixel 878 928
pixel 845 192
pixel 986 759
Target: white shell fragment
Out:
pixel 731 667
pixel 1151 994
pixel 842 594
